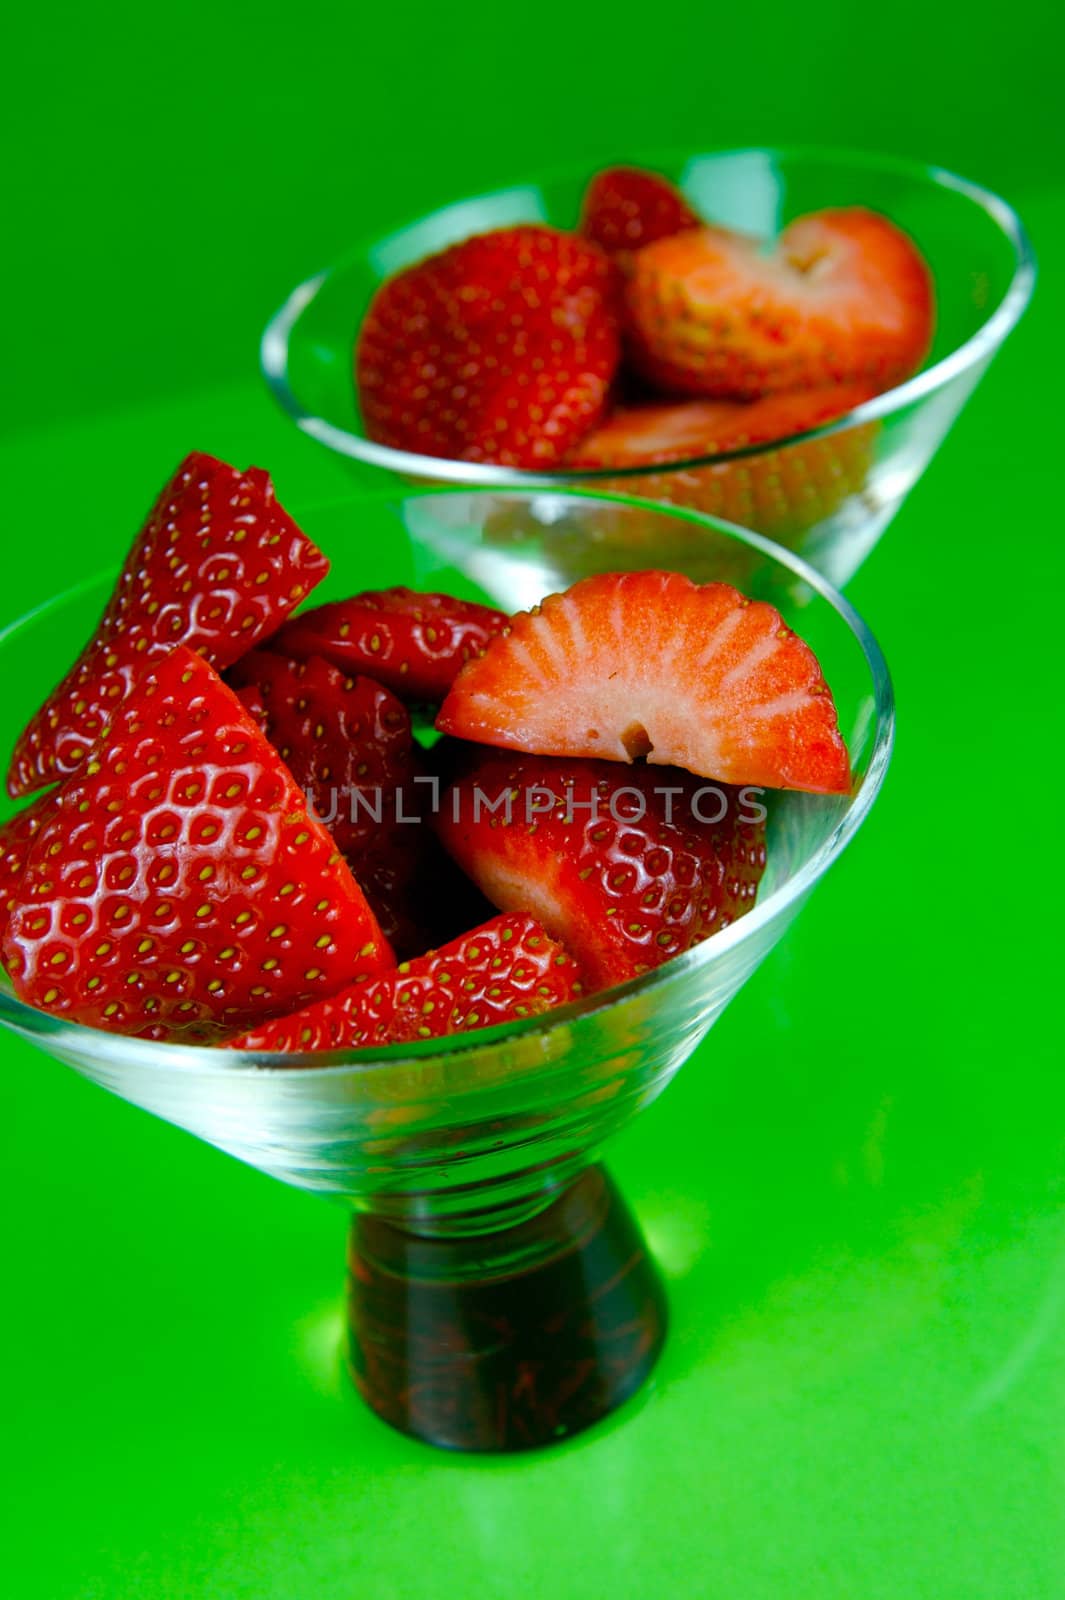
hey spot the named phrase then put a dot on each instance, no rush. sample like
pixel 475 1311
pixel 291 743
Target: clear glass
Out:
pixel 467 1160
pixel 828 494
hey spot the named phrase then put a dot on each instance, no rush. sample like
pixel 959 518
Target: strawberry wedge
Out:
pixel 218 566
pixel 413 643
pixel 627 866
pixel 648 665
pixel 506 970
pixel 179 887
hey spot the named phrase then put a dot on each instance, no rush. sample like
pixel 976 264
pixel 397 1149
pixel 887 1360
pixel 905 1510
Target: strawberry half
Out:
pixel 500 349
pixel 217 567
pixel 654 435
pixel 627 868
pixel 649 664
pixel 845 296
pixel 180 887
pixel 781 493
pixel 625 208
pixel 506 970
pixel 413 643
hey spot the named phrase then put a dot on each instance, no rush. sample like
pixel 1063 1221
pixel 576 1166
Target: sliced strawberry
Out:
pixel 649 664
pixel 625 208
pixel 627 868
pixel 654 435
pixel 500 349
pixel 16 836
pixel 180 885
pixel 346 740
pixel 781 493
pixel 506 970
pixel 413 643
pixel 845 296
pixel 218 566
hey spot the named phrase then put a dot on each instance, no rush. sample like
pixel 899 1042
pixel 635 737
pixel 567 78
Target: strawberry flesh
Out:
pixel 653 435
pixel 844 297
pixel 501 972
pixel 218 566
pixel 650 665
pixel 500 349
pixel 413 643
pixel 625 208
pixel 627 867
pixel 180 887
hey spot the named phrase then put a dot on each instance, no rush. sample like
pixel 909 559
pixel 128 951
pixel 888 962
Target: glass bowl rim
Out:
pixel 113 1049
pixel 274 344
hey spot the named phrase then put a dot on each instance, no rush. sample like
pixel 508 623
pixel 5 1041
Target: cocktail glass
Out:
pixel 828 494
pixel 500 1294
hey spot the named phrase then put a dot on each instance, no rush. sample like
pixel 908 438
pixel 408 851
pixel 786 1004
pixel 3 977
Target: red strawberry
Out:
pixel 180 885
pixel 16 836
pixel 503 971
pixel 622 872
pixel 414 643
pixel 845 296
pixel 346 741
pixel 654 435
pixel 218 566
pixel 625 208
pixel 781 493
pixel 500 349
pixel 649 664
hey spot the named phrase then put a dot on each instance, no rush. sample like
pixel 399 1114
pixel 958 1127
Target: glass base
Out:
pixel 509 1340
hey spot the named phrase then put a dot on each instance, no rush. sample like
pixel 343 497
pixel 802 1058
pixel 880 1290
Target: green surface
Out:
pixel 857 1187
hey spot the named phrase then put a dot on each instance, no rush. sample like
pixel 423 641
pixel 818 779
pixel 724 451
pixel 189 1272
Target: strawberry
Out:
pixel 655 435
pixel 627 868
pixel 413 643
pixel 500 972
pixel 218 566
pixel 625 208
pixel 501 348
pixel 781 493
pixel 346 741
pixel 649 664
pixel 845 296
pixel 180 887
pixel 16 837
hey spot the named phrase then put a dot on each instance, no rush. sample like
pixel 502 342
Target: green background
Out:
pixel 857 1186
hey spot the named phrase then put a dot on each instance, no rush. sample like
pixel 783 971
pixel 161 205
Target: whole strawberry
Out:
pixel 626 866
pixel 625 208
pixel 218 566
pixel 500 349
pixel 180 886
pixel 501 972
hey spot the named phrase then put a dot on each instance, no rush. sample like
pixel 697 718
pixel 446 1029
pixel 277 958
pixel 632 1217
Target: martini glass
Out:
pixel 828 494
pixel 500 1293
